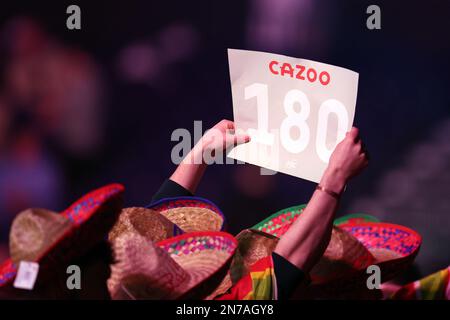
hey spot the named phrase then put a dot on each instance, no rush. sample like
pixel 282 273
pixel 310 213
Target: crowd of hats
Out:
pixel 176 247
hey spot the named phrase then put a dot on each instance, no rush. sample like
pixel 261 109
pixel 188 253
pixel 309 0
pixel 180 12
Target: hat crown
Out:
pixel 32 231
pixel 145 222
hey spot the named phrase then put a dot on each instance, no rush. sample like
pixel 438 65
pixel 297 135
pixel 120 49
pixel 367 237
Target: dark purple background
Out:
pixel 160 65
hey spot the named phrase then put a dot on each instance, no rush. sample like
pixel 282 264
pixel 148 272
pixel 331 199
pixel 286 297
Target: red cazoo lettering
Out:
pixel 299 72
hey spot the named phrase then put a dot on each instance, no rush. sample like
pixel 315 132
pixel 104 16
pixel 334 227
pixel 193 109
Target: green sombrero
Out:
pixel 279 222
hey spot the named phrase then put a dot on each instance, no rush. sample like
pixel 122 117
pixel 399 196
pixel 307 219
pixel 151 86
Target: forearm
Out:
pixel 306 240
pixel 190 171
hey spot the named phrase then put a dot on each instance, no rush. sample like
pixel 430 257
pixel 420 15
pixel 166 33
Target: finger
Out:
pixel 227 124
pixel 230 131
pixel 364 155
pixel 362 147
pixel 354 131
pixel 241 138
pixel 354 134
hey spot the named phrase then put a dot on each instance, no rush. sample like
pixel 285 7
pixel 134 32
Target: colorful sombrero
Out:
pixel 186 266
pixel 355 218
pixel 54 239
pixel 352 248
pixel 393 246
pixel 190 213
pixel 279 222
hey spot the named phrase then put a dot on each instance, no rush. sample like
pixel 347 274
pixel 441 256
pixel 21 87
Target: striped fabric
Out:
pixel 434 287
pixel 258 284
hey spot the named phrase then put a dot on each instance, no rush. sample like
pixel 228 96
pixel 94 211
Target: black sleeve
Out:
pixel 288 276
pixel 170 189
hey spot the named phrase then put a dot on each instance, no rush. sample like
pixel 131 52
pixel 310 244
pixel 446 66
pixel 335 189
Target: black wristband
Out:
pixel 170 189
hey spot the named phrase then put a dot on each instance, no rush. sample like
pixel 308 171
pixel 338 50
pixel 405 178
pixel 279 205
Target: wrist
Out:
pixel 195 156
pixel 333 180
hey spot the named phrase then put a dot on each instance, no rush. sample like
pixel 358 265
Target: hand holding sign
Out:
pixel 295 110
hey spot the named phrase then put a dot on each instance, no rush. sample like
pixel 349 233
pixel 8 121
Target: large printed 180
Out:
pixel 298 119
pixel 298 116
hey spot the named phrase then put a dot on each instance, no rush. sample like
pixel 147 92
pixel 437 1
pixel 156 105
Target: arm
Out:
pixel 306 240
pixel 222 136
pixel 189 173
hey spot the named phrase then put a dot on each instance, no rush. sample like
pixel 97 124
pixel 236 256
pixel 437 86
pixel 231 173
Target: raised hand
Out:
pixel 221 137
pixel 348 159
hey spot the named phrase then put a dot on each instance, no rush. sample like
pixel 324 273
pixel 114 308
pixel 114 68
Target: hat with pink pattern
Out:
pixel 187 266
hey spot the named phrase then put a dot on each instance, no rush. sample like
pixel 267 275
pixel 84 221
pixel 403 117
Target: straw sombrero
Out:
pixel 190 213
pixel 357 241
pixel 54 239
pixel 182 267
pixel 145 222
pixel 169 217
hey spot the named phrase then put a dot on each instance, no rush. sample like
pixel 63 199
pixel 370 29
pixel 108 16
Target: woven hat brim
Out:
pixel 393 246
pixel 278 223
pixel 91 216
pixel 355 218
pixel 191 219
pixel 191 214
pixel 207 263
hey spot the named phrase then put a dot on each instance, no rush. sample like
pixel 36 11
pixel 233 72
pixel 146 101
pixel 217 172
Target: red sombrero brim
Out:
pixel 385 236
pixel 84 210
pixel 393 246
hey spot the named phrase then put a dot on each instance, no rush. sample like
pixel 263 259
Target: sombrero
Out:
pixel 393 246
pixel 357 241
pixel 190 213
pixel 54 239
pixel 279 222
pixel 145 222
pixel 182 267
pixel 169 217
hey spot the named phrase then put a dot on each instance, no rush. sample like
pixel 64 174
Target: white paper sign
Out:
pixel 295 110
pixel 26 275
